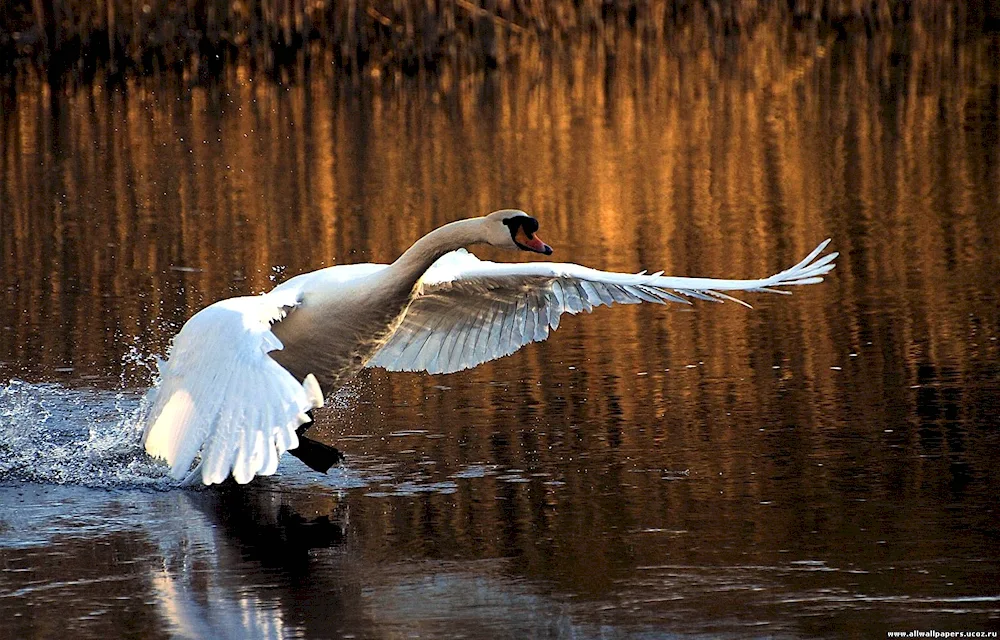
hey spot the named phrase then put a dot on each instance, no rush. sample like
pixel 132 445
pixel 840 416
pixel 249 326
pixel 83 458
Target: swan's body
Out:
pixel 244 372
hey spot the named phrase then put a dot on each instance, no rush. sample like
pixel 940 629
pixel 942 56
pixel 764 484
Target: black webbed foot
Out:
pixel 315 455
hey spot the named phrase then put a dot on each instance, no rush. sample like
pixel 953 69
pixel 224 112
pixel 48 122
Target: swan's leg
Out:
pixel 316 455
pixel 305 425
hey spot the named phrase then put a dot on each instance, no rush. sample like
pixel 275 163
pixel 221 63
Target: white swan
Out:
pixel 244 372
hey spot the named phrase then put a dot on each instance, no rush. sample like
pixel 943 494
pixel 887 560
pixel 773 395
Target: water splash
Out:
pixel 56 435
pixel 277 273
pixel 139 366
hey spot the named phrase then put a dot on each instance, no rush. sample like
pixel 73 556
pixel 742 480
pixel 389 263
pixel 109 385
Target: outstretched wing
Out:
pixel 221 396
pixel 468 311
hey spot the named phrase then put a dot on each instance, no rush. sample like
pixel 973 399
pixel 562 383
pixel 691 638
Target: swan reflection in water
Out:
pixel 252 562
pixel 244 374
pixel 238 563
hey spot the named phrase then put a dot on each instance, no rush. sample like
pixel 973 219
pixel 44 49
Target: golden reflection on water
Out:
pixel 846 422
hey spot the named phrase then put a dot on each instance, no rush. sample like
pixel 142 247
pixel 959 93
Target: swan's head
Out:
pixel 514 229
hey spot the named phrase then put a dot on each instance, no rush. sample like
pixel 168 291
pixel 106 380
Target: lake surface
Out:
pixel 822 465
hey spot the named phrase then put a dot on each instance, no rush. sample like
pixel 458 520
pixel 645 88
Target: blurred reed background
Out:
pixel 123 212
pixel 116 37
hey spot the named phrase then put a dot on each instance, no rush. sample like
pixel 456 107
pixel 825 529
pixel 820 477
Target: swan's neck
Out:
pixel 409 267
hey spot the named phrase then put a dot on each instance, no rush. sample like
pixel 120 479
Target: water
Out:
pixel 823 465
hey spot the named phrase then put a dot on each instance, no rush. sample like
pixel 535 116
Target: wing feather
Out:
pixel 469 311
pixel 220 396
pixel 541 316
pixel 414 352
pixel 530 317
pixel 507 332
pixel 486 330
pixel 496 332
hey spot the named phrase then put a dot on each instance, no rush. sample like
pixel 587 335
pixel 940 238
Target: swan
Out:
pixel 244 374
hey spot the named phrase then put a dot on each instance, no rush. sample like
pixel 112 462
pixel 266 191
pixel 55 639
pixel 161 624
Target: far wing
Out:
pixel 221 396
pixel 468 311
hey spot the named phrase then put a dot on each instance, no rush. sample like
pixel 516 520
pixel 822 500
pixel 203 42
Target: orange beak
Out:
pixel 533 243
